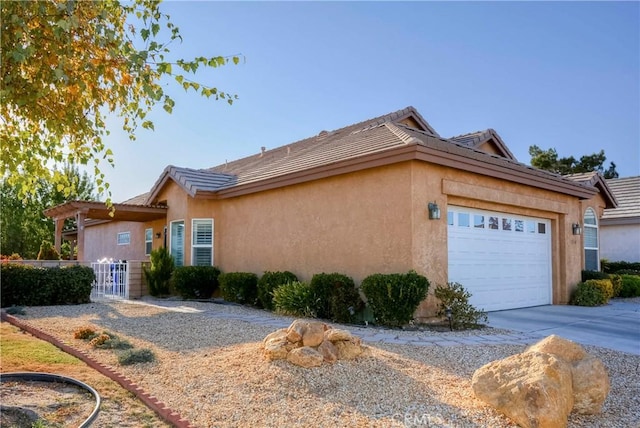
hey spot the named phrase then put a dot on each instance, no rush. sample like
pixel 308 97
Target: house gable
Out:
pixel 487 141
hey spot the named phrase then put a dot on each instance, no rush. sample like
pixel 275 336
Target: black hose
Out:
pixel 49 377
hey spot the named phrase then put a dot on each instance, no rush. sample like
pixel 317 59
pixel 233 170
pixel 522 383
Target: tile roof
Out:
pixel 595 179
pixel 398 135
pixel 193 181
pixel 475 139
pixel 627 193
pixel 137 200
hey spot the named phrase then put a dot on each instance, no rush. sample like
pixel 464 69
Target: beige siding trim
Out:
pixel 474 191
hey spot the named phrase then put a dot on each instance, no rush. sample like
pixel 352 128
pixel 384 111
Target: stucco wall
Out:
pixel 101 241
pixel 358 224
pixel 620 242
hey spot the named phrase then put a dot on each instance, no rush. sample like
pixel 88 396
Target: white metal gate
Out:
pixel 112 280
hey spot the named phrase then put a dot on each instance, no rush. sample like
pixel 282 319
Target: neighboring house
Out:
pixel 367 199
pixel 620 227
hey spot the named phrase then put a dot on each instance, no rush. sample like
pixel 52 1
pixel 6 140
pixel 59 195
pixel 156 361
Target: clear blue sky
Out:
pixel 556 74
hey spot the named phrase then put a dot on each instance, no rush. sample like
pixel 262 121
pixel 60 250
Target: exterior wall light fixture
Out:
pixel 577 229
pixel 158 235
pixel 434 211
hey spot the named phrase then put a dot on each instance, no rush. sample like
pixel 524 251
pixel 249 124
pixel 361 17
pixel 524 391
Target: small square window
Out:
pixel 493 223
pixel 124 238
pixel 506 224
pixel 542 228
pixel 519 226
pixel 478 221
pixel 531 226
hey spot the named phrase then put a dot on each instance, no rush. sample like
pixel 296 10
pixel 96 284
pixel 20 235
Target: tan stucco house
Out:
pixel 384 195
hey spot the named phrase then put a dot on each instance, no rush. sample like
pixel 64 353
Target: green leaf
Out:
pixel 236 60
pixel 144 33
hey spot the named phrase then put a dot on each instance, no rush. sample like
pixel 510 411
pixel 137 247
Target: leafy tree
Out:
pixel 24 226
pixel 68 64
pixel 549 161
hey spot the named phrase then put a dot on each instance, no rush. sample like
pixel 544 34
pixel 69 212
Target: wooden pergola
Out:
pixel 95 211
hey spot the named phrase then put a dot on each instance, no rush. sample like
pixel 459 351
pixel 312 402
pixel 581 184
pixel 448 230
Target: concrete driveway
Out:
pixel 614 326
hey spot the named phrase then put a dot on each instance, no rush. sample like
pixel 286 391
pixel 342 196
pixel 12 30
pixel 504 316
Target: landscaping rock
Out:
pixel 533 389
pixel 560 347
pixel 348 349
pixel 328 344
pixel 305 357
pixel 590 378
pixel 590 385
pixel 329 351
pixel 541 377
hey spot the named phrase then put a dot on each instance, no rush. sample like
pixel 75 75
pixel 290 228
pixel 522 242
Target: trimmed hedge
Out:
pixel 337 297
pixel 630 286
pixel 588 294
pixel 196 282
pixel 394 298
pixel 269 282
pixel 239 287
pixel 617 267
pixel 593 274
pixel 295 298
pixel 24 285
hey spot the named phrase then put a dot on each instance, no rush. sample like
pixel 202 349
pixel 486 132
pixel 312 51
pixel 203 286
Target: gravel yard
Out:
pixel 210 369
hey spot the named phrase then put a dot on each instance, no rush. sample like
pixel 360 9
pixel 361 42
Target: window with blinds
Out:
pixel 148 241
pixel 202 242
pixel 177 242
pixel 590 236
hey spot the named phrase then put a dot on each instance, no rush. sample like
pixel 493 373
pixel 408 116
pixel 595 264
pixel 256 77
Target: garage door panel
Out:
pixel 502 268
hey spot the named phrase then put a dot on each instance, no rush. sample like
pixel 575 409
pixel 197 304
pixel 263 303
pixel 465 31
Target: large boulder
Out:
pixel 541 386
pixel 305 357
pixel 590 385
pixel 533 389
pixel 589 376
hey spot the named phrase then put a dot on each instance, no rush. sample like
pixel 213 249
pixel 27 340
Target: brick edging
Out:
pixel 150 401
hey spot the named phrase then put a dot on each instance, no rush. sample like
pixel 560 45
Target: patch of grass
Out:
pixel 16 344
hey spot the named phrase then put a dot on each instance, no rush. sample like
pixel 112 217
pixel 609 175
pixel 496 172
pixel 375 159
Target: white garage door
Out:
pixel 503 260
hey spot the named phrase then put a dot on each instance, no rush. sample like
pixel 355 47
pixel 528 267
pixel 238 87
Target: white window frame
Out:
pixel 120 238
pixel 177 262
pixel 148 240
pixel 585 227
pixel 194 245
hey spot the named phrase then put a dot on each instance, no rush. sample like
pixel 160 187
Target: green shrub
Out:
pixel 269 282
pixel 588 294
pixel 295 298
pixel 48 252
pixel 463 315
pixel 16 310
pixel 158 275
pixel 630 286
pixel 605 285
pixel 337 297
pixel 620 267
pixel 593 274
pixel 196 282
pixel 134 356
pixel 25 285
pixel 394 298
pixel 616 282
pixel 239 287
